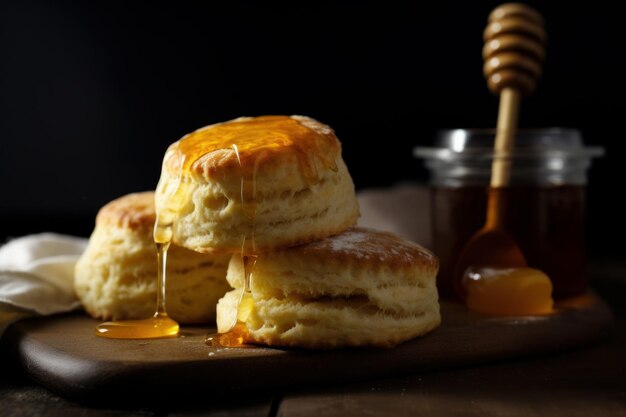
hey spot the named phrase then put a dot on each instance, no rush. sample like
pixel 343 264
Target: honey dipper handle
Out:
pixel 513 52
pixel 505 137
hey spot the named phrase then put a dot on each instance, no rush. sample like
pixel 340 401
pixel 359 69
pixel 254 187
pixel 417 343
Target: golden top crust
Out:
pixel 364 247
pixel 248 144
pixel 133 211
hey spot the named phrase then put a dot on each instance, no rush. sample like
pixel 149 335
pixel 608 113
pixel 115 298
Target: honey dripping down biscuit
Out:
pixel 114 278
pixel 252 185
pixel 255 184
pixel 252 142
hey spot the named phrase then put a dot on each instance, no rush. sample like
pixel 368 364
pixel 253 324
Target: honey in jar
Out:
pixel 545 200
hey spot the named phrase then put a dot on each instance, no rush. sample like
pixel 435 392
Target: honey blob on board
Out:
pixel 152 328
pixel 508 291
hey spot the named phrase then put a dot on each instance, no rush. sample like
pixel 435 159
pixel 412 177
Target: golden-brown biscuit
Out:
pixel 277 180
pixel 116 277
pixel 360 288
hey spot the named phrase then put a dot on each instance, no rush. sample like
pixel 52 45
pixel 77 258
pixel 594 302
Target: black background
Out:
pixel 91 93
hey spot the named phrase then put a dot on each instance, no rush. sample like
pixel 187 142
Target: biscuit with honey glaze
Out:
pixel 271 181
pixel 359 288
pixel 115 278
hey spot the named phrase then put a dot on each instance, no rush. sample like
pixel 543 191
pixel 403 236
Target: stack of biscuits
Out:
pixel 318 281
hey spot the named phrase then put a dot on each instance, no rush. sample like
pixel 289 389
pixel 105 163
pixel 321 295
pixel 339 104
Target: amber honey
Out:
pixel 519 291
pixel 547 222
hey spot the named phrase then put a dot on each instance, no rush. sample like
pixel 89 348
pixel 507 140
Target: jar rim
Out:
pixel 455 144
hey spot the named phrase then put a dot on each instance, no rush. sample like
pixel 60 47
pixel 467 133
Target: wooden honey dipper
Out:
pixel 513 54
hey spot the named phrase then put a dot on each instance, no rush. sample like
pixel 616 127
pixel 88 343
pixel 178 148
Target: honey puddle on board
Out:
pixel 508 291
pixel 252 140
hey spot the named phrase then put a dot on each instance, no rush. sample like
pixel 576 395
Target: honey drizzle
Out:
pixel 237 334
pixel 252 140
pixel 250 149
pixel 157 326
pixel 160 325
pixel 261 135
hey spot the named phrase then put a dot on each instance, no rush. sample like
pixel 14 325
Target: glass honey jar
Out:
pixel 545 200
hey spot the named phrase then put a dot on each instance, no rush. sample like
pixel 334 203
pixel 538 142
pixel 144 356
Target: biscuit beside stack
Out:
pixel 115 278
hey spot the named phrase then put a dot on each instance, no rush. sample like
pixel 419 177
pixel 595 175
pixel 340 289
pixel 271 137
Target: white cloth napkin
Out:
pixel 36 274
pixel 37 271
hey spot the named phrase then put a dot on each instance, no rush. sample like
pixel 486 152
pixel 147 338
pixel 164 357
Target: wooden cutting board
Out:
pixel 63 354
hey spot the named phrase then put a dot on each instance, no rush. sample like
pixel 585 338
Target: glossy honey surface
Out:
pixel 509 291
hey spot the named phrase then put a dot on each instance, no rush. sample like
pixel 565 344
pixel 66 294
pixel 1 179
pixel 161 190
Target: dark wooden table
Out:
pixel 589 381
